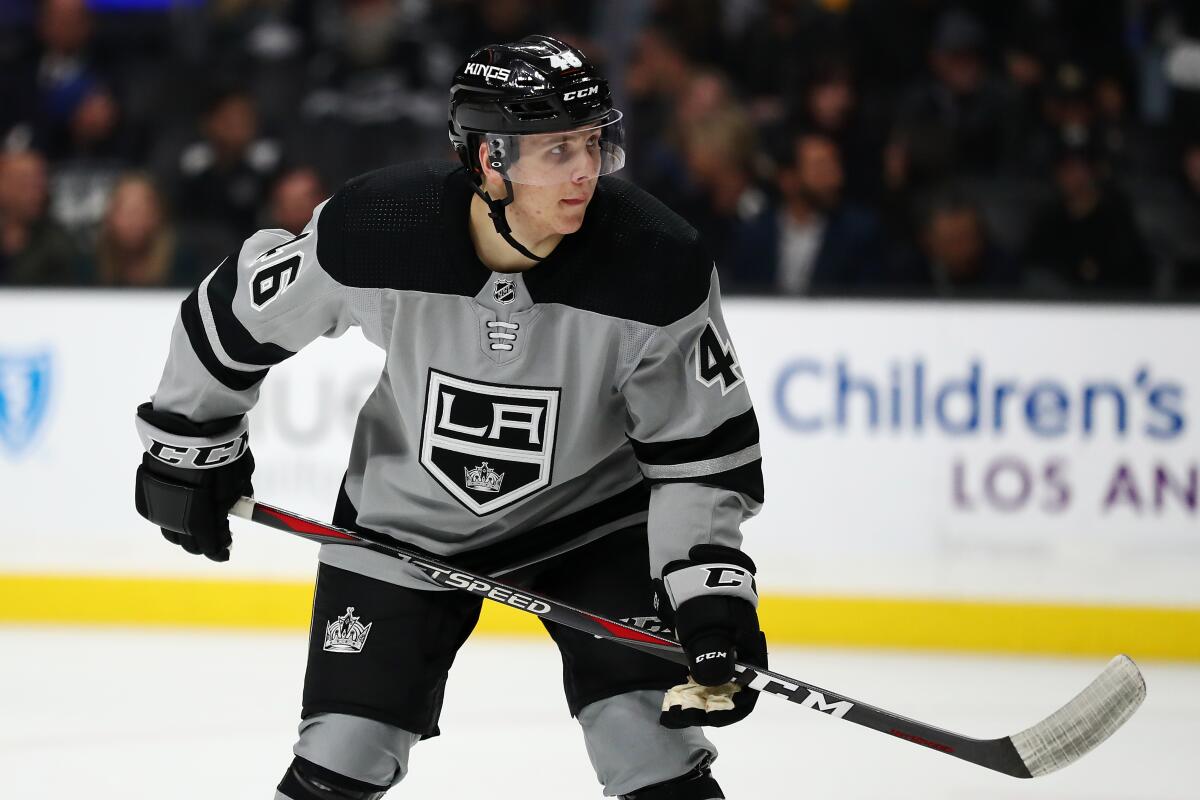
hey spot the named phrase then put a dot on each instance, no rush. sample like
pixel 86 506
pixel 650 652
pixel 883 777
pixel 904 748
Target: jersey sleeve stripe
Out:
pixel 746 479
pixel 237 342
pixel 733 435
pixel 210 330
pixel 193 324
pixel 710 466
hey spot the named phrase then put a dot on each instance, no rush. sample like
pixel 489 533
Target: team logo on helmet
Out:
pixel 564 60
pixel 504 291
pixel 487 71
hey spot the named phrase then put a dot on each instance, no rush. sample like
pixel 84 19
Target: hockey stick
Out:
pixel 1060 739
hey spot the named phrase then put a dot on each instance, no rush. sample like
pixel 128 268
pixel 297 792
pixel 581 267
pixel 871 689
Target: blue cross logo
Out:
pixel 24 397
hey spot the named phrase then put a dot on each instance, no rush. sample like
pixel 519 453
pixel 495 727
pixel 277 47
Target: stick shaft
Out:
pixel 996 754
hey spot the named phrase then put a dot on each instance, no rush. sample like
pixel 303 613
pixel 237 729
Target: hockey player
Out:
pixel 560 404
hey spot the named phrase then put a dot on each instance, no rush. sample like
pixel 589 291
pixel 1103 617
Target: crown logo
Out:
pixel 346 634
pixel 483 478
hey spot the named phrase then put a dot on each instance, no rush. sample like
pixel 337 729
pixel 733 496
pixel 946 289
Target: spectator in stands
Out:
pixel 818 243
pixel 1115 130
pixel 963 103
pixel 659 74
pixel 726 203
pixel 1190 163
pixel 1088 238
pixel 222 180
pixel 773 52
pixel 959 257
pixel 34 250
pixel 902 184
pixel 891 39
pixel 137 245
pixel 1187 255
pixel 697 26
pixel 915 94
pixel 473 23
pixel 18 76
pixel 84 176
pixel 294 197
pixel 66 77
pixel 1027 72
pixel 93 126
pixel 1076 105
pixel 371 100
pixel 831 106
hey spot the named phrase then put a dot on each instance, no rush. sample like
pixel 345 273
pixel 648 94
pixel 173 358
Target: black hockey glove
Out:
pixel 711 602
pixel 191 475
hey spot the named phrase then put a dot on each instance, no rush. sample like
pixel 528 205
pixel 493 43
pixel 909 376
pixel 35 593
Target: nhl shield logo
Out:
pixel 487 444
pixel 504 291
pixel 24 398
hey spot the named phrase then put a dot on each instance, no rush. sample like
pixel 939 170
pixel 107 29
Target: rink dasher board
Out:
pixel 964 464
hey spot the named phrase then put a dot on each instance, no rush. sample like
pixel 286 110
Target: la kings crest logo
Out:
pixel 488 445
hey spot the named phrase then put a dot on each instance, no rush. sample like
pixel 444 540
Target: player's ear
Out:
pixel 493 181
pixel 489 174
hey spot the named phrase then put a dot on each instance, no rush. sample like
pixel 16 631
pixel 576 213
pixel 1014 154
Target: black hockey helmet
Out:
pixel 504 93
pixel 536 85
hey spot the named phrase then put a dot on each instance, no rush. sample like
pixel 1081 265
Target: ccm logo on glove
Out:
pixel 205 457
pixel 710 600
pixel 725 576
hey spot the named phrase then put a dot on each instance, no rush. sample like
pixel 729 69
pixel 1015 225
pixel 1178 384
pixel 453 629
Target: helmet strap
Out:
pixel 496 212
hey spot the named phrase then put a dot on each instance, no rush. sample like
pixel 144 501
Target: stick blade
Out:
pixel 1090 718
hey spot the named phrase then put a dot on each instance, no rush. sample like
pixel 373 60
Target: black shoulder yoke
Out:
pixel 633 258
pixel 406 227
pixel 400 227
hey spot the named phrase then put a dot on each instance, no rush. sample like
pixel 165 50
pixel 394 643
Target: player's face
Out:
pixel 554 177
pixel 570 163
pixel 560 171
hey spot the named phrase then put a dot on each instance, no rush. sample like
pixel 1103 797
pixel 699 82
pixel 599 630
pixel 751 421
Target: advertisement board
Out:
pixel 1010 453
pixel 978 450
pixel 74 367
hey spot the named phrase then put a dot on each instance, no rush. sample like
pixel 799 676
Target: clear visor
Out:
pixel 547 159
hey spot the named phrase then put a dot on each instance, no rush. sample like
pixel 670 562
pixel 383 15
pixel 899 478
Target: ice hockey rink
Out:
pixel 119 709
pixel 126 714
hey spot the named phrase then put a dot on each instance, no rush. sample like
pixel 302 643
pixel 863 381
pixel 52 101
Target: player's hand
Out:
pixel 713 599
pixel 186 484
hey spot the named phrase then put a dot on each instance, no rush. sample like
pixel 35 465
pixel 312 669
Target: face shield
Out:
pixel 548 159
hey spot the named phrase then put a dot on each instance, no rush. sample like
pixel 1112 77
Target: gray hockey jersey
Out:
pixel 518 415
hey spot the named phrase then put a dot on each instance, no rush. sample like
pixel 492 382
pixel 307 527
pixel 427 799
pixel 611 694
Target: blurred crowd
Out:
pixel 944 148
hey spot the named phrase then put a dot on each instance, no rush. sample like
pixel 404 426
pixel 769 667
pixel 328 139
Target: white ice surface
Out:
pixel 114 715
